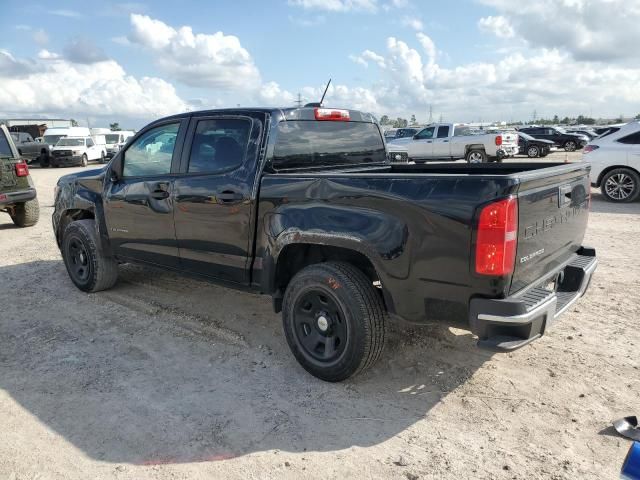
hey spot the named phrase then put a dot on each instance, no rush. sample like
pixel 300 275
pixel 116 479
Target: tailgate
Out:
pixel 553 209
pixel 8 177
pixel 510 139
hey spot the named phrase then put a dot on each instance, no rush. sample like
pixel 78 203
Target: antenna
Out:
pixel 322 99
pixel 325 92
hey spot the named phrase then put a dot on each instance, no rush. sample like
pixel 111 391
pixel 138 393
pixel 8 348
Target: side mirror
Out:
pixel 116 168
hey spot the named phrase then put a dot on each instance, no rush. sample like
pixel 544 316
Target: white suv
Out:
pixel 70 151
pixel 615 163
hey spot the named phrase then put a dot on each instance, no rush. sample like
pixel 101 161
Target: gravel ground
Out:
pixel 166 377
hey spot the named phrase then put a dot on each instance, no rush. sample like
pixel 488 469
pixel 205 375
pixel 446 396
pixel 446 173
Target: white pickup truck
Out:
pixel 77 151
pixel 452 141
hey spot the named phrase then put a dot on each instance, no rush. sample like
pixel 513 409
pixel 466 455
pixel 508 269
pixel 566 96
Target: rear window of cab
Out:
pixel 312 144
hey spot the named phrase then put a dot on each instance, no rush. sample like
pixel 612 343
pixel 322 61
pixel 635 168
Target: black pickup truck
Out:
pixel 302 204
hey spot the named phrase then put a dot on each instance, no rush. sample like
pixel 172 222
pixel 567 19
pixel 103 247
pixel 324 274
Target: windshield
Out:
pixel 52 139
pixel 70 142
pixel 112 138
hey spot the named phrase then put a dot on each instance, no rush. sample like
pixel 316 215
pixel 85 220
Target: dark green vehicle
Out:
pixel 17 193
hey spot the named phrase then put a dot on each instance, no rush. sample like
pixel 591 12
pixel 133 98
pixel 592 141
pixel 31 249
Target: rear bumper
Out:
pixel 17 197
pixel 510 323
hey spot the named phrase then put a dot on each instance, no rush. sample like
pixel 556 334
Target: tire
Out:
pixel 26 214
pixel 476 156
pixel 85 161
pixel 334 320
pixel 533 152
pixel 101 157
pixel 570 146
pixel 621 185
pixel 90 269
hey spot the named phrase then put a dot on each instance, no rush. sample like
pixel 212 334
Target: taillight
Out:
pixel 498 140
pixel 331 114
pixel 590 148
pixel 22 170
pixel 497 238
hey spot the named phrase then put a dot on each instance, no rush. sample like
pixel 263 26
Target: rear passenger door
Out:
pixel 213 194
pixel 441 144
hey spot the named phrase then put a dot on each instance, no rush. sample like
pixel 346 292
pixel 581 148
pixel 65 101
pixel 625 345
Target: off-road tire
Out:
pixel 26 214
pixel 359 305
pixel 476 156
pixel 102 269
pixel 622 175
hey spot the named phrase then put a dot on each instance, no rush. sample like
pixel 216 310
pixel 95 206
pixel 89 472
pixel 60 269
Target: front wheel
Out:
pixel 102 158
pixel 570 146
pixel 476 156
pixel 334 320
pixel 89 268
pixel 43 160
pixel 26 214
pixel 533 152
pixel 85 160
pixel 621 185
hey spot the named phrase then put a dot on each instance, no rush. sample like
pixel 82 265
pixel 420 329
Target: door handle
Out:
pixel 429 141
pixel 229 196
pixel 445 141
pixel 160 191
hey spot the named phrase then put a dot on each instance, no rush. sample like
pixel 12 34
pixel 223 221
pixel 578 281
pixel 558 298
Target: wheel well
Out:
pixel 613 167
pixel 294 258
pixel 474 147
pixel 69 216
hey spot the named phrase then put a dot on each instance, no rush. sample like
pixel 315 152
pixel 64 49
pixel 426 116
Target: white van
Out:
pixel 116 140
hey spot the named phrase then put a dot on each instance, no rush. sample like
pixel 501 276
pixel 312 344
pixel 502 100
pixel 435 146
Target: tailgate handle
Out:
pixel 564 195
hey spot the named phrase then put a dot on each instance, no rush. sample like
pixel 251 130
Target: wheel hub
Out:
pixel 323 323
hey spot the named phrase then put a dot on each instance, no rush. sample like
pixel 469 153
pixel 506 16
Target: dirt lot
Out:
pixel 166 377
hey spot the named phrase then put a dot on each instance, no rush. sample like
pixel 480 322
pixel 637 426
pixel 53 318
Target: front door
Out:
pixel 213 196
pixel 139 206
pixel 421 147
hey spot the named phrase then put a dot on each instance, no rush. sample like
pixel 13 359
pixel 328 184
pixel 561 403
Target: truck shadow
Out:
pixel 163 369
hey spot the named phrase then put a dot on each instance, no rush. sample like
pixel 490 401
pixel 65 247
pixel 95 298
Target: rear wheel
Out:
pixel 26 214
pixel 476 156
pixel 334 320
pixel 621 185
pixel 90 269
pixel 533 151
pixel 570 146
pixel 43 160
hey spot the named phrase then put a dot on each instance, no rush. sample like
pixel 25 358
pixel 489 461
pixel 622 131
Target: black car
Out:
pixel 583 131
pixel 301 204
pixel 533 147
pixel 560 137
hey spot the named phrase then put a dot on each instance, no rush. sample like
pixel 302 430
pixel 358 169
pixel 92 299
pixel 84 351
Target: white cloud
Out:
pixel 271 95
pixel 590 30
pixel 499 26
pixel 103 89
pixel 413 22
pixel 368 56
pixel 336 5
pixel 83 50
pixel 65 13
pixel 201 60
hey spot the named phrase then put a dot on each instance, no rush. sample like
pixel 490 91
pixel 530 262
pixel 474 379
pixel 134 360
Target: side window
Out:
pixel 90 142
pixel 550 131
pixel 152 152
pixel 443 131
pixel 426 133
pixel 219 145
pixel 5 149
pixel 633 139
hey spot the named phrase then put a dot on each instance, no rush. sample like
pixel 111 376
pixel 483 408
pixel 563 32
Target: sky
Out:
pixel 465 60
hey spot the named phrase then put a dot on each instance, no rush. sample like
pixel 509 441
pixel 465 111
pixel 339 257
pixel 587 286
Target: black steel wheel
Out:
pixel 89 268
pixel 334 320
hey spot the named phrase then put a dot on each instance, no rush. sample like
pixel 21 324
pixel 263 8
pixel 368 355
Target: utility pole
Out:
pixel 299 101
pixel 430 113
pixel 535 116
pixel 440 121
